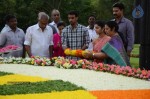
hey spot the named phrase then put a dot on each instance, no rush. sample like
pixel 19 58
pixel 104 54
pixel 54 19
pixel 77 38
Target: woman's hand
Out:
pixel 58 44
pixel 88 54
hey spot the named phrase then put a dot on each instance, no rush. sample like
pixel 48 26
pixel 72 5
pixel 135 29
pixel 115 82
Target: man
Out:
pixel 12 35
pixel 75 36
pixel 39 38
pixel 55 15
pixel 92 32
pixel 125 27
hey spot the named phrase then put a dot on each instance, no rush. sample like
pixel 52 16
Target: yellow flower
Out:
pixel 32 62
pixel 84 53
pixel 78 94
pixel 73 52
pixel 43 64
pixel 67 51
pixel 80 62
pixel 67 65
pixel 19 78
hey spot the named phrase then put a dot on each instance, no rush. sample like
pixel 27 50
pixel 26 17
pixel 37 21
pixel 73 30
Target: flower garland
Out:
pixel 61 62
pixel 76 53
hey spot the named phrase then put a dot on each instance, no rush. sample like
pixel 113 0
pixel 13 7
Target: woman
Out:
pixel 57 50
pixel 101 40
pixel 112 52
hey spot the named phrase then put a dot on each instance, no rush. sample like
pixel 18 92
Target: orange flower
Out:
pixel 79 52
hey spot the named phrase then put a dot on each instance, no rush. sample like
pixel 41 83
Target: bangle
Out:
pixel 93 55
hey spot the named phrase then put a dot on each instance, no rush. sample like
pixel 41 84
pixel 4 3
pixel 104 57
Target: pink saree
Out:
pixel 57 49
pixel 100 42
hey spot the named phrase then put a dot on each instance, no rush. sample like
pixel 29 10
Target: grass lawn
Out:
pixel 136 49
pixel 135 61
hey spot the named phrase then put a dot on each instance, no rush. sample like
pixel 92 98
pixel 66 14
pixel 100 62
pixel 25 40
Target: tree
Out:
pixel 27 10
pixel 7 6
pixel 103 8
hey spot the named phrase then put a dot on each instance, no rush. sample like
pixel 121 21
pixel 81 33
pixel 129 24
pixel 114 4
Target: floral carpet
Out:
pixel 98 85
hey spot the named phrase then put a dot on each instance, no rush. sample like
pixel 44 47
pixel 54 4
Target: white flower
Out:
pixel 67 65
pixel 10 60
pixel 23 61
pixel 27 60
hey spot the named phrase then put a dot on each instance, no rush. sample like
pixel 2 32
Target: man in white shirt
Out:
pixel 55 15
pixel 39 38
pixel 92 32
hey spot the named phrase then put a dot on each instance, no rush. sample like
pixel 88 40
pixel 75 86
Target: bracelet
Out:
pixel 93 55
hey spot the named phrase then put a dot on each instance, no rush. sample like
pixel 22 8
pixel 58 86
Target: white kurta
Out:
pixel 39 40
pixel 92 35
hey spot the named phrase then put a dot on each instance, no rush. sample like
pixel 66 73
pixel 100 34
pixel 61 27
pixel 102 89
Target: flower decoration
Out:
pixel 13 60
pixel 32 61
pixel 61 62
pixel 126 71
pixel 1 60
pixel 67 51
pixel 67 65
pixel 76 53
pixel 81 63
pixel 53 60
pixel 40 61
pixel 9 48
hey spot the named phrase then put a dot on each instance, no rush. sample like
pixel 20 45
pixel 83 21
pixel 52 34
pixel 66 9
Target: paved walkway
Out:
pixel 89 79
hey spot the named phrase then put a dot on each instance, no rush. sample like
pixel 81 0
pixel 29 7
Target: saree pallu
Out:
pixel 114 49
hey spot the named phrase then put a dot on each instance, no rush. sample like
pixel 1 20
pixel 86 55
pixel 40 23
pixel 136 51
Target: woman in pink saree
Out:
pixel 102 39
pixel 57 49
